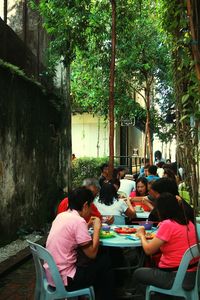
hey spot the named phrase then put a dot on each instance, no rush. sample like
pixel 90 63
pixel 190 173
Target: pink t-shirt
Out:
pixel 178 238
pixel 68 231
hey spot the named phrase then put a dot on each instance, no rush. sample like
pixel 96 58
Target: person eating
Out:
pixel 140 196
pixel 176 233
pixel 68 234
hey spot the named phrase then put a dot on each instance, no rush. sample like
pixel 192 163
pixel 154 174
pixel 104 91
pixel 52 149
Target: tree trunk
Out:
pixel 145 143
pixel 148 121
pixel 98 136
pixel 111 91
pixel 5 11
pixel 195 50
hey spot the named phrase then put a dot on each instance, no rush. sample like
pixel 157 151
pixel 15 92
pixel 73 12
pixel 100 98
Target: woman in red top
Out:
pixel 139 197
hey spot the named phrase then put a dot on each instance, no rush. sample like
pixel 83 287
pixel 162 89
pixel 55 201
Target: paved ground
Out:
pixel 19 284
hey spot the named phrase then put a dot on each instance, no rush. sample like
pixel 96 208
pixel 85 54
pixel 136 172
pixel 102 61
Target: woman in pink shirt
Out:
pixel 68 236
pixel 175 235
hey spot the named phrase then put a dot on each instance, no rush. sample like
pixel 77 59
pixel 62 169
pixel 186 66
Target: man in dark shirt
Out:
pixel 104 174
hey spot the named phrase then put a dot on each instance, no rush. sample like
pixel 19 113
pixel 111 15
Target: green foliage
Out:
pixel 81 36
pixel 186 86
pixel 66 22
pixel 186 90
pixel 86 167
pixel 141 56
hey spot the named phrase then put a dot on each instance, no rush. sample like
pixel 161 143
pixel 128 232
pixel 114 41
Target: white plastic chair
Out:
pixel 43 290
pixel 177 287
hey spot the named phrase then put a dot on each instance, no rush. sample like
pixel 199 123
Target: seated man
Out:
pixel 68 234
pixel 152 173
pixel 93 185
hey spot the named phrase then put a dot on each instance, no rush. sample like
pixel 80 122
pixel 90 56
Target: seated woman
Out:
pixel 68 235
pixel 175 235
pixel 163 185
pixel 169 174
pixel 109 204
pixel 119 173
pixel 139 197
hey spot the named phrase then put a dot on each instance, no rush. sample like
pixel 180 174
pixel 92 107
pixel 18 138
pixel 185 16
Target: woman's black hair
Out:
pixel 158 155
pixel 115 182
pixel 78 197
pixel 107 194
pixel 165 184
pixel 103 166
pixel 168 207
pixel 116 172
pixel 145 182
pixel 170 174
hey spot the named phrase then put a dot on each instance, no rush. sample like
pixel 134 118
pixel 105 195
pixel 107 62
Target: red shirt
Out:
pixel 63 206
pixel 144 206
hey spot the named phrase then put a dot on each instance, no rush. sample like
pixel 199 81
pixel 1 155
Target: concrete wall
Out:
pixel 34 154
pixel 85 136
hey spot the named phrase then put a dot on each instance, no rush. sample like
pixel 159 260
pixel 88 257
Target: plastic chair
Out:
pixel 177 289
pixel 119 220
pixel 198 230
pixel 43 290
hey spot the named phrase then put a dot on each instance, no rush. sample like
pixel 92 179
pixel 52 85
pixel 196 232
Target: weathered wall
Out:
pixel 15 51
pixel 33 160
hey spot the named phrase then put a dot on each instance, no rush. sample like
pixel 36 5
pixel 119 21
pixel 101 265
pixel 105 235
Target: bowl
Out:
pixel 105 227
pixel 147 225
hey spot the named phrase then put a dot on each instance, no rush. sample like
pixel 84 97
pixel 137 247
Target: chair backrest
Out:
pixel 192 252
pixel 198 230
pixel 41 255
pixel 119 220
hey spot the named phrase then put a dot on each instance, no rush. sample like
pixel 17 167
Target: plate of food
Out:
pixel 125 230
pixel 149 235
pixel 139 209
pixel 106 234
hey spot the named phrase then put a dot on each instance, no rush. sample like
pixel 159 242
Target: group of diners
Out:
pixel 79 256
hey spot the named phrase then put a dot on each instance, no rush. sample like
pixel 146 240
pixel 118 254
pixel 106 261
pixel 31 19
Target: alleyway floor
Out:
pixel 19 284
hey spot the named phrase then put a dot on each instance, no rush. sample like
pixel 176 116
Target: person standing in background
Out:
pixel 104 174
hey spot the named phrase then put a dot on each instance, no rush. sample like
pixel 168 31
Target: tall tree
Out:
pixel 111 90
pixel 194 17
pixel 186 89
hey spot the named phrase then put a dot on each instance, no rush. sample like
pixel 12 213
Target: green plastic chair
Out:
pixel 177 289
pixel 43 290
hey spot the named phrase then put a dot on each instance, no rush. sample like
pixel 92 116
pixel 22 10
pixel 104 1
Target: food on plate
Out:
pixel 106 234
pixel 149 235
pixel 125 230
pixel 139 208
